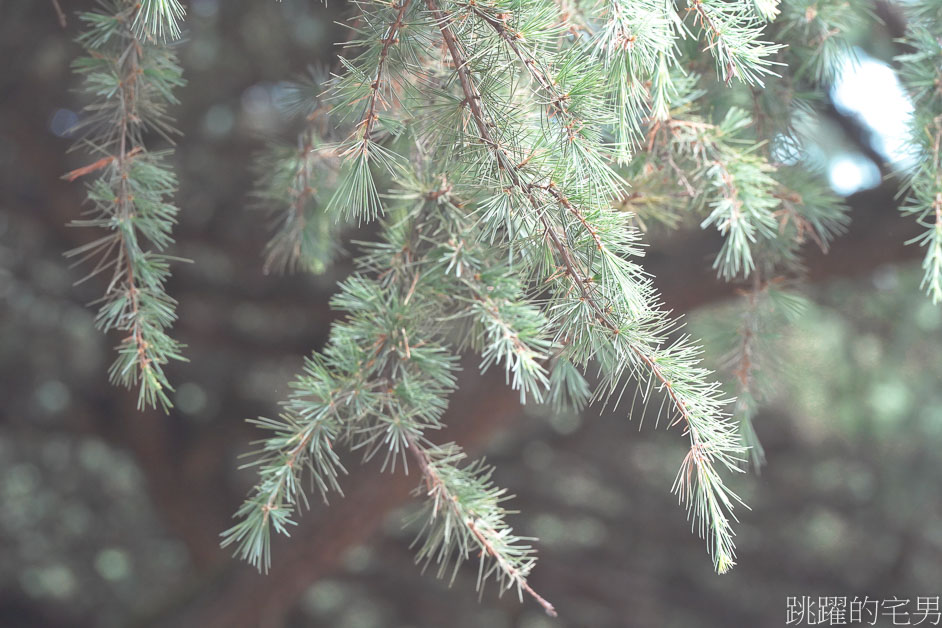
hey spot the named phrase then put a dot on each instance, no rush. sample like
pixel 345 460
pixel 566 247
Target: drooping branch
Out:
pixel 493 540
pixel 130 197
pixel 370 116
pixel 708 442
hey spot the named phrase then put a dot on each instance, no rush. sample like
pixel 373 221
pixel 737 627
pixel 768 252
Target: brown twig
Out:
pixel 392 37
pixel 59 13
pixel 533 66
pixel 72 175
pixel 716 34
pixel 125 199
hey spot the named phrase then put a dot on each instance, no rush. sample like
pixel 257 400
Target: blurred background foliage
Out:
pixel 110 517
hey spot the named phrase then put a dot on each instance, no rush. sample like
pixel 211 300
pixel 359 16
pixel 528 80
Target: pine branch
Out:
pixel 751 201
pixel 921 75
pixel 133 81
pixel 465 504
pixel 514 133
pixel 301 445
pixel 735 39
pixel 637 43
pixel 819 36
pixel 706 495
pixel 381 384
pixel 739 196
pixel 513 333
pixel 368 74
pixel 367 122
pixel 745 371
pixel 292 185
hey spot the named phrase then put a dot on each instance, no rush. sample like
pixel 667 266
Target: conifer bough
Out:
pixel 514 151
pixel 129 75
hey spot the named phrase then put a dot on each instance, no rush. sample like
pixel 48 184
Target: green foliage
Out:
pixel 508 237
pixel 294 183
pixel 511 149
pixel 750 347
pixel 159 19
pixel 921 75
pixel 734 32
pixel 818 33
pixel 130 83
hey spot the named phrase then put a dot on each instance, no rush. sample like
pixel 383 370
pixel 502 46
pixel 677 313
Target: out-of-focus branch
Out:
pixel 60 14
pixel 876 237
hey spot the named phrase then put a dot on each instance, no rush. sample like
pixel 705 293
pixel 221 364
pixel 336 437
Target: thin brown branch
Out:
pixel 392 37
pixel 95 166
pixel 124 279
pixel 745 356
pixel 289 462
pixel 534 67
pixel 60 14
pixel 716 34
